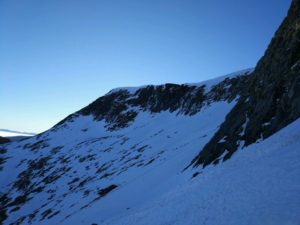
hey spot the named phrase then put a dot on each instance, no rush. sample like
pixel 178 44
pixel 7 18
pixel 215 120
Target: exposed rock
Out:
pixel 272 99
pixel 4 140
pixel 119 108
pixel 105 191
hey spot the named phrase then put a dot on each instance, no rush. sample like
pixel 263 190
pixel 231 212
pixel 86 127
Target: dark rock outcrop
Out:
pixel 4 140
pixel 272 99
pixel 120 107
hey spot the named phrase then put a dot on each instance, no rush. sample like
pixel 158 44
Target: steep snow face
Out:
pixel 63 173
pixel 260 184
pixel 86 169
pixel 83 172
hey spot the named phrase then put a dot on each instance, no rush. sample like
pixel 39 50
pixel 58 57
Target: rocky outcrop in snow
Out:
pixel 272 97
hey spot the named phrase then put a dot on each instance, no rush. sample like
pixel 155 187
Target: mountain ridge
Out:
pixel 114 106
pixel 86 155
pixel 207 82
pixel 120 159
pixel 5 132
pixel 272 99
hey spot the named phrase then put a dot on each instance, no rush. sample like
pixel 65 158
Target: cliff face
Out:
pixel 272 99
pixel 120 107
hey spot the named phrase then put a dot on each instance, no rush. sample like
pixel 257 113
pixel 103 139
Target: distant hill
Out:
pixel 3 140
pixel 12 133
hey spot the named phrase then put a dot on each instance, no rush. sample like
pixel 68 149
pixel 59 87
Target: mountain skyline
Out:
pixel 64 54
pixel 8 133
pixel 223 151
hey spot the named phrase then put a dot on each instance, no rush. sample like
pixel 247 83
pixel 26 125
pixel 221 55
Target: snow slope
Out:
pixel 81 172
pixel 260 184
pixel 152 151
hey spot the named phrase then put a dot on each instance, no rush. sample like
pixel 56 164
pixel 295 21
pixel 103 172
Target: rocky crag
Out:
pixel 271 100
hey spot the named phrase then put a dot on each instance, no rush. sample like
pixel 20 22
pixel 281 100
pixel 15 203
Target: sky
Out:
pixel 58 56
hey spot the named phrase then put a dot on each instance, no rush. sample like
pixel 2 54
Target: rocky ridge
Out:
pixel 271 100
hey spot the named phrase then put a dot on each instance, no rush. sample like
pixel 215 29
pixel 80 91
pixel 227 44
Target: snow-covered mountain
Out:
pixel 271 99
pixel 97 168
pixel 134 141
pixel 258 185
pixel 13 133
pixel 152 154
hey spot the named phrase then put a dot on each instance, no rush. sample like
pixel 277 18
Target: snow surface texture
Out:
pixel 143 160
pixel 260 184
pixel 81 173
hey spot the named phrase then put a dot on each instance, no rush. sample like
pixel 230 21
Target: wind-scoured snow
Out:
pixel 80 172
pixel 260 184
pixel 143 160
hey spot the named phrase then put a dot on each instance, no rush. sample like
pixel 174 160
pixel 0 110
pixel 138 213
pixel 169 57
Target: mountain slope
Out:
pixel 272 99
pixel 121 159
pixel 258 185
pixel 119 147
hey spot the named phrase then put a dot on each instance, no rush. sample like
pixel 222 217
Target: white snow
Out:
pixel 223 140
pixel 260 185
pixel 171 142
pixel 179 137
pixel 11 133
pixel 208 83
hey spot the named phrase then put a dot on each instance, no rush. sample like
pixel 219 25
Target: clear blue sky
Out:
pixel 57 56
